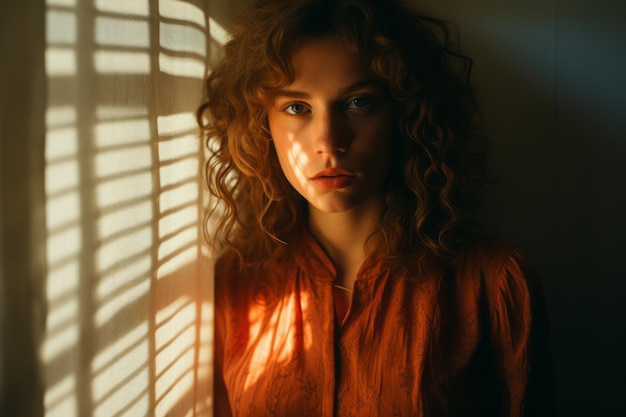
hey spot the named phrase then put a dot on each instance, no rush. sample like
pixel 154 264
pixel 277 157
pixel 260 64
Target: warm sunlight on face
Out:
pixel 331 128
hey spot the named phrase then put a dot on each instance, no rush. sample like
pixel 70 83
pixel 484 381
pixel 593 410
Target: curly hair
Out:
pixel 437 147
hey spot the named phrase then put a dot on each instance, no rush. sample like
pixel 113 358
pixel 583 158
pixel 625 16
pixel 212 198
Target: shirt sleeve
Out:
pixel 519 338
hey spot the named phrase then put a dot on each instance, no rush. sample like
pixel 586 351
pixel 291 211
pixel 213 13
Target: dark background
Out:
pixel 551 77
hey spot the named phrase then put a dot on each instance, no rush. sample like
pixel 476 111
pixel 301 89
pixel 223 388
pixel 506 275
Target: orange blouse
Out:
pixel 464 340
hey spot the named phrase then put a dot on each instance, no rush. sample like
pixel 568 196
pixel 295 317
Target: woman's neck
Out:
pixel 344 236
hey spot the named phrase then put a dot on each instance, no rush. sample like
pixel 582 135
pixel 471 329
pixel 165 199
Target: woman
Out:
pixel 354 282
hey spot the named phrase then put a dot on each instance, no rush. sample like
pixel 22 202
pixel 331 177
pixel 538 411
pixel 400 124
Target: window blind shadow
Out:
pixel 129 290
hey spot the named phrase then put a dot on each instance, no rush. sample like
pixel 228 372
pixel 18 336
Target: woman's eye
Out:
pixel 359 103
pixel 295 108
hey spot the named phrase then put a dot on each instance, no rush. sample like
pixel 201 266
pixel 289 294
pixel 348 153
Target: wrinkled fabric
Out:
pixel 460 340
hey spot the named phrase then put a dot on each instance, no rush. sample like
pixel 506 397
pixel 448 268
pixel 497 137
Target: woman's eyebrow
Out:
pixel 358 85
pixel 291 94
pixel 344 91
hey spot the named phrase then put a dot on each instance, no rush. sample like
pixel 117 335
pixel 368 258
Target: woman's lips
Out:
pixel 333 179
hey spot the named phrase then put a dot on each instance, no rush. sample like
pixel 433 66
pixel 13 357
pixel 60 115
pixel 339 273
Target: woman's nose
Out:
pixel 332 133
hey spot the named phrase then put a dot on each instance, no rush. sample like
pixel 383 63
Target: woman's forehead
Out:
pixel 318 61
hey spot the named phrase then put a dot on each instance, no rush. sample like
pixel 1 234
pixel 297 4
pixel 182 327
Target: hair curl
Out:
pixel 431 191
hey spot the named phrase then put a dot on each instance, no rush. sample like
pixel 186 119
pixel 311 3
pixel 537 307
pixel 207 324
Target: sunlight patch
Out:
pixel 112 62
pixel 60 62
pixel 181 66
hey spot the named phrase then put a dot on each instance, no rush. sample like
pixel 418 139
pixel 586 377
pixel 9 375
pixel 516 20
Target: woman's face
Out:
pixel 331 128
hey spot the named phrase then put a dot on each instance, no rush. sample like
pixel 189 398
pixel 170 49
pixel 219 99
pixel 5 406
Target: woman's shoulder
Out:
pixel 497 265
pixel 501 275
pixel 491 255
pixel 234 283
pixel 231 275
pixel 234 276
